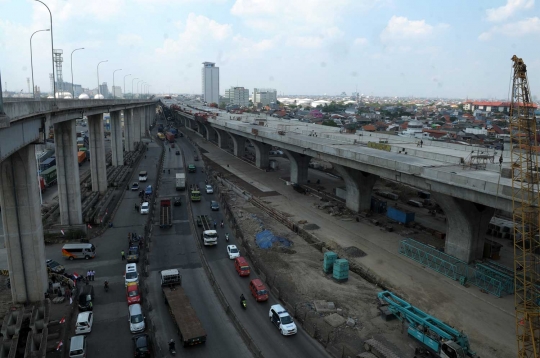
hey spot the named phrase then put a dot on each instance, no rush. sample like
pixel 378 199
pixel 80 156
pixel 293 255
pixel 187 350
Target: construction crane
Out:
pixel 525 199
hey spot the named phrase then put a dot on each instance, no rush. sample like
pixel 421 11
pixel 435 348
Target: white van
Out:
pixel 131 274
pixel 84 323
pixel 136 319
pixel 77 347
pixel 79 251
pixel 143 176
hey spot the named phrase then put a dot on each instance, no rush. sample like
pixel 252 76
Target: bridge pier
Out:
pixel 239 144
pixel 210 133
pixel 128 130
pixel 299 166
pixel 67 172
pixel 98 165
pixel 136 126
pixel 142 121
pixel 117 147
pixel 23 230
pixel 262 154
pixel 222 139
pixel 359 185
pixel 467 223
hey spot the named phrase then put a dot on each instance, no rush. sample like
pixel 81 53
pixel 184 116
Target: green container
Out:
pixel 328 262
pixel 340 276
pixel 341 263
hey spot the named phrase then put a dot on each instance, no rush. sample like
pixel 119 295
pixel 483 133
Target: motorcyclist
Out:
pixel 227 236
pixel 242 298
pixel 171 345
pixel 222 224
pixel 106 284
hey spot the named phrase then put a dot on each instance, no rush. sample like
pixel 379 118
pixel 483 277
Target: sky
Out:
pixel 444 48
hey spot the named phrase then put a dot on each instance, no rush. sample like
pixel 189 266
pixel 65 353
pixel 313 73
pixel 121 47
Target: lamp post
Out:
pixel 136 78
pixel 32 61
pixel 72 88
pixel 52 49
pixel 98 89
pixel 138 87
pixel 113 91
pixel 125 83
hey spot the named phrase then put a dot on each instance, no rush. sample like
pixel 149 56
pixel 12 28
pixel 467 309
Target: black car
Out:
pixel 141 345
pixel 55 267
pixel 177 152
pixel 177 201
pixel 133 254
pixel 214 205
pixel 86 298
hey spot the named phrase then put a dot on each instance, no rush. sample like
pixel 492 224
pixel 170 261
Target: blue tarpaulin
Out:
pixel 265 239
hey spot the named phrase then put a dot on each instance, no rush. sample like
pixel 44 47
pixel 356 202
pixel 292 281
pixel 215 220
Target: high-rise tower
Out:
pixel 210 82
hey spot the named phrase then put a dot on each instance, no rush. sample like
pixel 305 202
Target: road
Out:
pixel 255 317
pixel 110 336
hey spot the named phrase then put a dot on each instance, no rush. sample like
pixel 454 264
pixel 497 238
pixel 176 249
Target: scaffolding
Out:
pixel 58 59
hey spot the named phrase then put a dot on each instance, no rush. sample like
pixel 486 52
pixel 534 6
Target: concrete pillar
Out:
pixel 142 119
pixel 23 230
pixel 128 130
pixel 209 132
pixel 299 166
pixel 117 147
pixel 239 144
pixel 137 125
pixel 466 226
pixel 359 186
pixel 262 157
pixel 222 138
pixel 67 173
pixel 98 165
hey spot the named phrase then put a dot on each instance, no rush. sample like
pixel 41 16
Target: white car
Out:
pixel 136 319
pixel 282 320
pixel 209 189
pixel 145 207
pixel 84 322
pixel 131 274
pixel 233 251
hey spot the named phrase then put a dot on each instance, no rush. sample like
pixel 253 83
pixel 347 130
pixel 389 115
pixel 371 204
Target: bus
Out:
pixel 79 251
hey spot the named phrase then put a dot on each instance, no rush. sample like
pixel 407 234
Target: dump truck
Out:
pixel 81 157
pixel 195 192
pixel 190 328
pixel 170 137
pixel 181 181
pixel 209 235
pixel 49 176
pixel 165 217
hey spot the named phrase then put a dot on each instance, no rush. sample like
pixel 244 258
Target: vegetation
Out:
pixel 329 123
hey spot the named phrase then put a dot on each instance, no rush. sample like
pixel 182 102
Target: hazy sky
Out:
pixel 447 48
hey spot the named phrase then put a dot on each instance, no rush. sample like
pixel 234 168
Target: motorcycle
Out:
pixel 227 237
pixel 172 348
pixel 243 303
pixel 106 286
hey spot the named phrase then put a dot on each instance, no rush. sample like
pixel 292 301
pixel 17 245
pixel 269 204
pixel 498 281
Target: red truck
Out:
pixel 170 137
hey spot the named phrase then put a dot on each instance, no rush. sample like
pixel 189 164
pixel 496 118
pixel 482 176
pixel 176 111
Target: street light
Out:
pixel 114 93
pixel 32 62
pixel 72 87
pixel 138 92
pixel 136 78
pixel 125 83
pixel 98 89
pixel 52 49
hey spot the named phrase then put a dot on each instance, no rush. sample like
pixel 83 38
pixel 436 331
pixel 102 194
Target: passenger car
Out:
pixel 177 201
pixel 177 152
pixel 141 346
pixel 133 254
pixel 84 323
pixel 133 294
pixel 233 251
pixel 209 189
pixel 55 267
pixel 214 205
pixel 148 190
pixel 131 274
pixel 135 186
pixel 136 318
pixel 145 208
pixel 282 320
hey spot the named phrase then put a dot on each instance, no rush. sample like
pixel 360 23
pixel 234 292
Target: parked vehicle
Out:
pixel 136 318
pixel 133 254
pixel 55 267
pixel 241 266
pixel 79 251
pixel 84 322
pixel 142 346
pixel 282 320
pixel 86 298
pixel 188 324
pixel 78 347
pixel 165 217
pixel 131 275
pixel 133 294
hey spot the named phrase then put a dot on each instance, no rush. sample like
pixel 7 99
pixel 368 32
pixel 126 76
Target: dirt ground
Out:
pixel 296 272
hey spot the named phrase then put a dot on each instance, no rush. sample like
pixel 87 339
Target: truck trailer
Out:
pixel 190 328
pixel 165 217
pixel 180 181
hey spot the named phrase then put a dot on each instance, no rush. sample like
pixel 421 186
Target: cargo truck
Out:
pixel 195 192
pixel 49 176
pixel 81 157
pixel 209 235
pixel 47 163
pixel 165 217
pixel 190 328
pixel 180 181
pixel 170 137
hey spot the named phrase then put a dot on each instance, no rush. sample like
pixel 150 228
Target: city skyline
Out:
pixel 381 48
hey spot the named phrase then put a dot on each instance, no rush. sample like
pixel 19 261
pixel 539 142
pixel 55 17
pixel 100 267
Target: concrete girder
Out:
pixel 117 146
pixel 359 186
pixel 262 153
pixel 23 230
pixel 239 145
pixel 98 165
pixel 299 166
pixel 67 173
pixel 467 223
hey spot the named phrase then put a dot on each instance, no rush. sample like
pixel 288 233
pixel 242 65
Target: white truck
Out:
pixel 180 181
pixel 209 235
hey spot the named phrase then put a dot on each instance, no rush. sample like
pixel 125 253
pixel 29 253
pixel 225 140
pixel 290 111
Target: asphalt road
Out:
pixel 255 318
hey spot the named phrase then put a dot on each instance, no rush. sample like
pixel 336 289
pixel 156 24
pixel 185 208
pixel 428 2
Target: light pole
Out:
pixel 32 62
pixel 125 83
pixel 138 92
pixel 114 93
pixel 72 88
pixel 98 89
pixel 136 78
pixel 52 49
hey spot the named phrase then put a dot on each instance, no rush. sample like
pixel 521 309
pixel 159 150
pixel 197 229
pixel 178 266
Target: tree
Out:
pixel 222 105
pixel 329 123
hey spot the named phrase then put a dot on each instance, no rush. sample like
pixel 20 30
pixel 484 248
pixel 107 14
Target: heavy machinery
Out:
pixel 195 192
pixel 525 198
pixel 209 235
pixel 439 339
